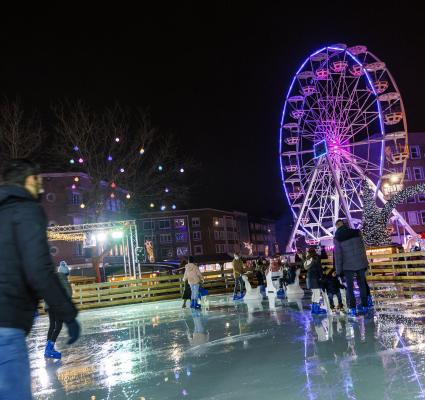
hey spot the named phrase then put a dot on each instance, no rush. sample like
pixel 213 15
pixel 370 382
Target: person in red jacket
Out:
pixel 27 275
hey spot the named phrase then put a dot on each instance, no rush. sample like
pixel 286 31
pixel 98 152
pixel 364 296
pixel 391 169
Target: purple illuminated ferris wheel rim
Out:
pixel 343 121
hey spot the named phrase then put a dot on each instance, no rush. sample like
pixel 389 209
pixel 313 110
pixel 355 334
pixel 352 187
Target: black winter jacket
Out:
pixel 27 273
pixel 314 273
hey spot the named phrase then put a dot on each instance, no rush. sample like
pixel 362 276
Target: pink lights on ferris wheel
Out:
pixel 341 106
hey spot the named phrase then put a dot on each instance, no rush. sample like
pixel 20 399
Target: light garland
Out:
pixel 68 237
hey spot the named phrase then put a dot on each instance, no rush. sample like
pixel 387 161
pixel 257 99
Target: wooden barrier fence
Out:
pixel 145 290
pixel 404 270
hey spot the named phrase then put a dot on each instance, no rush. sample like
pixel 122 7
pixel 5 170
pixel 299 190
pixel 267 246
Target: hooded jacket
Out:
pixel 27 273
pixel 192 274
pixel 350 251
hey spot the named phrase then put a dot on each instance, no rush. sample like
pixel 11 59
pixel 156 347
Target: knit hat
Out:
pixel 63 268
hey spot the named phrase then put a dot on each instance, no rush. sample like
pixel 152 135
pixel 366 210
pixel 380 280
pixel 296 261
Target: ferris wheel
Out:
pixel 343 122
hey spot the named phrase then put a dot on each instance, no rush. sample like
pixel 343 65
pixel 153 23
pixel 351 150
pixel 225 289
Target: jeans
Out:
pixel 315 296
pixel 331 299
pixel 238 284
pixel 362 284
pixel 195 291
pixel 15 378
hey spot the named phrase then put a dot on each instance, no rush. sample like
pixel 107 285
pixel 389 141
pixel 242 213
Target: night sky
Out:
pixel 215 76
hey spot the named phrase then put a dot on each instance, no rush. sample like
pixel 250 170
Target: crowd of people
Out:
pixel 29 275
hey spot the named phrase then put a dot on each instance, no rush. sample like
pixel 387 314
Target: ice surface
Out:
pixel 235 351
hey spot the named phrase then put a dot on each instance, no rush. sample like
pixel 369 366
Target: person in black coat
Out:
pixel 314 279
pixel 333 286
pixel 27 274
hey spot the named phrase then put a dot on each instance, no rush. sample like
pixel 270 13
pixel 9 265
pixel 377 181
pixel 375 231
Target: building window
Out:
pixel 51 197
pixel 421 198
pixel 147 225
pixel 167 252
pixel 415 152
pixel 222 235
pixel 251 226
pixel 165 238
pixel 220 248
pixel 182 251
pixel 196 221
pixel 76 198
pixel 148 238
pixel 179 223
pixel 164 224
pixel 423 217
pixel 181 236
pixel 413 217
pixel 408 174
pixel 216 235
pixel 78 249
pixel 197 235
pixel 418 172
pixel 411 200
pixel 198 250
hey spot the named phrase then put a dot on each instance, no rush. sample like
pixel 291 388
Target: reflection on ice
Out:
pixel 253 349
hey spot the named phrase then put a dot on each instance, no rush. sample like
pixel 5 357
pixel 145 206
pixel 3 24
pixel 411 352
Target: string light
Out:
pixel 76 179
pixel 163 208
pixel 151 205
pixel 173 207
pixel 112 195
pixel 71 161
pixel 142 151
pixel 181 170
pixel 76 148
pixel 160 168
pixel 68 237
pixel 117 139
pixel 122 170
pixel 82 205
pixel 73 186
pixel 80 160
pixel 167 190
pixel 113 186
pixel 109 158
pixel 128 196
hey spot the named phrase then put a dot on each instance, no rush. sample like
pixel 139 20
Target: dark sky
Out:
pixel 215 75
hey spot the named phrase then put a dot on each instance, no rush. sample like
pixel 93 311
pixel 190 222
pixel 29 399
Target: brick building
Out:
pixel 263 236
pixel 413 209
pixel 64 203
pixel 207 233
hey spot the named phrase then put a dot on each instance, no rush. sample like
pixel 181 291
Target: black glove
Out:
pixel 73 331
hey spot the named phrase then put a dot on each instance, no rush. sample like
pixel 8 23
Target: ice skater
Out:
pixel 55 322
pixel 193 276
pixel 314 277
pixel 351 261
pixel 333 286
pixel 187 293
pixel 28 275
pixel 238 270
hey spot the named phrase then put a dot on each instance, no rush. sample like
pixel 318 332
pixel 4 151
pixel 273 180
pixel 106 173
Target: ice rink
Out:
pixel 231 350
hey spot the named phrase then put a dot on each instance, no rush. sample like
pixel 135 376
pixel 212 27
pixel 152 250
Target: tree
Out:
pixel 21 134
pixel 125 158
pixel 128 162
pixel 375 220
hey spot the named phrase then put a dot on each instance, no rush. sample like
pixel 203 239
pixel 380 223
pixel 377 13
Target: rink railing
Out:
pixel 404 271
pixel 145 290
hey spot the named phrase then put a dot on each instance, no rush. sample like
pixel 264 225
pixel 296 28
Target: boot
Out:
pixel 352 312
pixel 192 303
pixel 50 351
pixel 280 293
pixel 197 305
pixel 320 310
